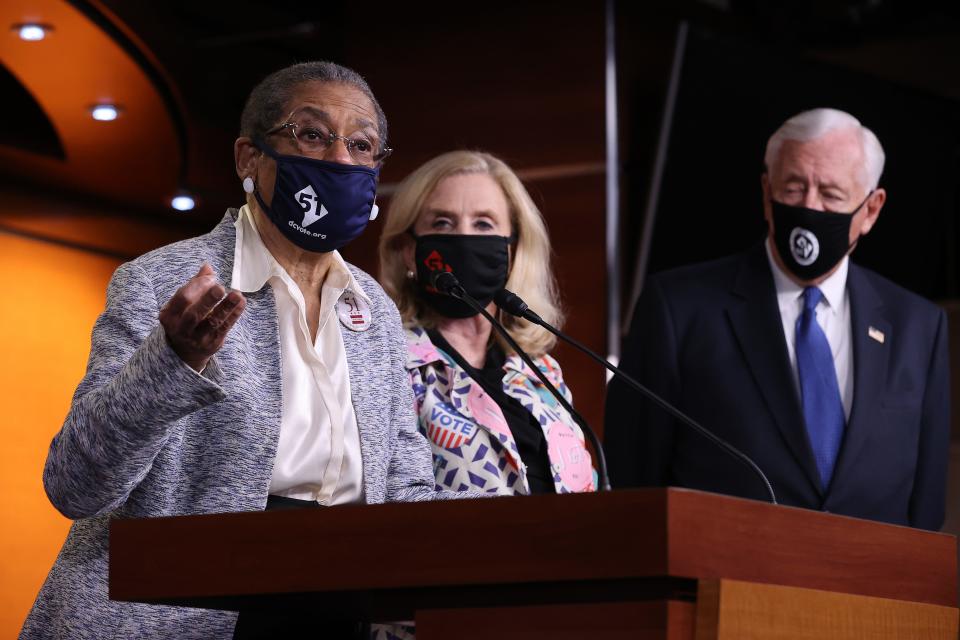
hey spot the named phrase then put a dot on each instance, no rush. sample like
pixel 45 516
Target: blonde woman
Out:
pixel 491 423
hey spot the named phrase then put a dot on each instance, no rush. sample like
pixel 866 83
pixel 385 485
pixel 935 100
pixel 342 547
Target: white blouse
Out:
pixel 318 454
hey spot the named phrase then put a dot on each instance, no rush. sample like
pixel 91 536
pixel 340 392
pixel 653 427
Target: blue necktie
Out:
pixel 822 406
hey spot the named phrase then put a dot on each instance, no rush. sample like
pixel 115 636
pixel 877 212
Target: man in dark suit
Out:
pixel 831 378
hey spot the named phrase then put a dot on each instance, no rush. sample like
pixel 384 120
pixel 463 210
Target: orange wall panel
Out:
pixel 51 297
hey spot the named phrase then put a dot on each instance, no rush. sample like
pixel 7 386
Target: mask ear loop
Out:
pixel 853 245
pixel 505 318
pixel 264 149
pixel 512 241
pixel 249 183
pixel 860 206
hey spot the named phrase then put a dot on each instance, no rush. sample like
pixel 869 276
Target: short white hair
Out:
pixel 816 123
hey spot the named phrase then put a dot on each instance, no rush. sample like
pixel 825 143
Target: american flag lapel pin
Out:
pixel 876 334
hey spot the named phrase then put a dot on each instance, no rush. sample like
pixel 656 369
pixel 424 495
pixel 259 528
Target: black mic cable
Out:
pixel 447 283
pixel 514 305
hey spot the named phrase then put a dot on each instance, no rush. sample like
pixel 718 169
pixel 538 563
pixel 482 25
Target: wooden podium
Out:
pixel 652 563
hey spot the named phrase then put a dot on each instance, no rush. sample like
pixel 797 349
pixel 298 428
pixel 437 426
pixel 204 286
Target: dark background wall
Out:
pixel 526 81
pixel 710 193
pixel 744 69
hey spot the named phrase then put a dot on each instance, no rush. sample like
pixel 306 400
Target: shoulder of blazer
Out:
pixel 883 292
pixel 169 266
pixel 745 274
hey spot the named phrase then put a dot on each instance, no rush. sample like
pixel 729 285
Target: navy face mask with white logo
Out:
pixel 811 242
pixel 318 205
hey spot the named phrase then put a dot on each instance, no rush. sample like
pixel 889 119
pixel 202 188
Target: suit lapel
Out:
pixel 364 385
pixel 870 362
pixel 260 334
pixel 755 317
pixel 252 353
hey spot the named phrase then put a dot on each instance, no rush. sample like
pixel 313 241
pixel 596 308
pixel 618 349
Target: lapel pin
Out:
pixel 876 334
pixel 354 312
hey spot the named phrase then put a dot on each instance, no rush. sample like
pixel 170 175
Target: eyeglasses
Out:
pixel 313 138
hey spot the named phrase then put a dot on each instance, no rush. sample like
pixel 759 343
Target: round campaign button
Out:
pixel 354 312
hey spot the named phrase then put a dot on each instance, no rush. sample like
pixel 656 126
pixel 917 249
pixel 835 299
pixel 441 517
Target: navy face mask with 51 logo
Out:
pixel 318 205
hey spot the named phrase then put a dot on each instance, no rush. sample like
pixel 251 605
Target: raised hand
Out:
pixel 198 317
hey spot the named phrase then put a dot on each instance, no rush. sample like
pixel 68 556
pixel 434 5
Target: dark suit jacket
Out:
pixel 709 339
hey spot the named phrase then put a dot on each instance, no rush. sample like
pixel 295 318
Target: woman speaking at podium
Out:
pixel 250 367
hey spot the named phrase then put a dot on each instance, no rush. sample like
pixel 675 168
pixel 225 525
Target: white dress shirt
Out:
pixel 318 454
pixel 833 316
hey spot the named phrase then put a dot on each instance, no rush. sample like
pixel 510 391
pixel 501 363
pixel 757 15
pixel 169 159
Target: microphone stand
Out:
pixel 447 283
pixel 514 305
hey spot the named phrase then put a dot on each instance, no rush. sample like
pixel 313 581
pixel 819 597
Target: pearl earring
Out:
pixel 248 184
pixel 410 274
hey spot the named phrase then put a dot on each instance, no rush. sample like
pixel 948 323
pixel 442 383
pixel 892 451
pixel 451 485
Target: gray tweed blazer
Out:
pixel 147 436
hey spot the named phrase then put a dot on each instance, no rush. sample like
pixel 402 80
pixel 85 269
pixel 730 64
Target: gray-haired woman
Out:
pixel 241 369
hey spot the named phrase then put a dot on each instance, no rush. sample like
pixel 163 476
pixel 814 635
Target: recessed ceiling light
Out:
pixel 183 203
pixel 32 31
pixel 105 112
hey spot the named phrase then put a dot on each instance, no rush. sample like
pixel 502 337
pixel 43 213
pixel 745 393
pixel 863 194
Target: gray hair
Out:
pixel 814 124
pixel 268 101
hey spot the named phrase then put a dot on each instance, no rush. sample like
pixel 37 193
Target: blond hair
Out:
pixel 530 274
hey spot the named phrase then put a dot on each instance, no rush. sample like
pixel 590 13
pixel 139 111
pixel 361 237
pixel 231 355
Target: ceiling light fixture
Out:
pixel 183 202
pixel 32 31
pixel 105 112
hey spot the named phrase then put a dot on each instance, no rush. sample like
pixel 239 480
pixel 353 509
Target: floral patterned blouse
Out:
pixel 473 447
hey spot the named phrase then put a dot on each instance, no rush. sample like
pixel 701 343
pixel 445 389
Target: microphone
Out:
pixel 447 283
pixel 514 305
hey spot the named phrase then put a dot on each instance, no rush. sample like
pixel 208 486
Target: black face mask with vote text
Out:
pixel 480 263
